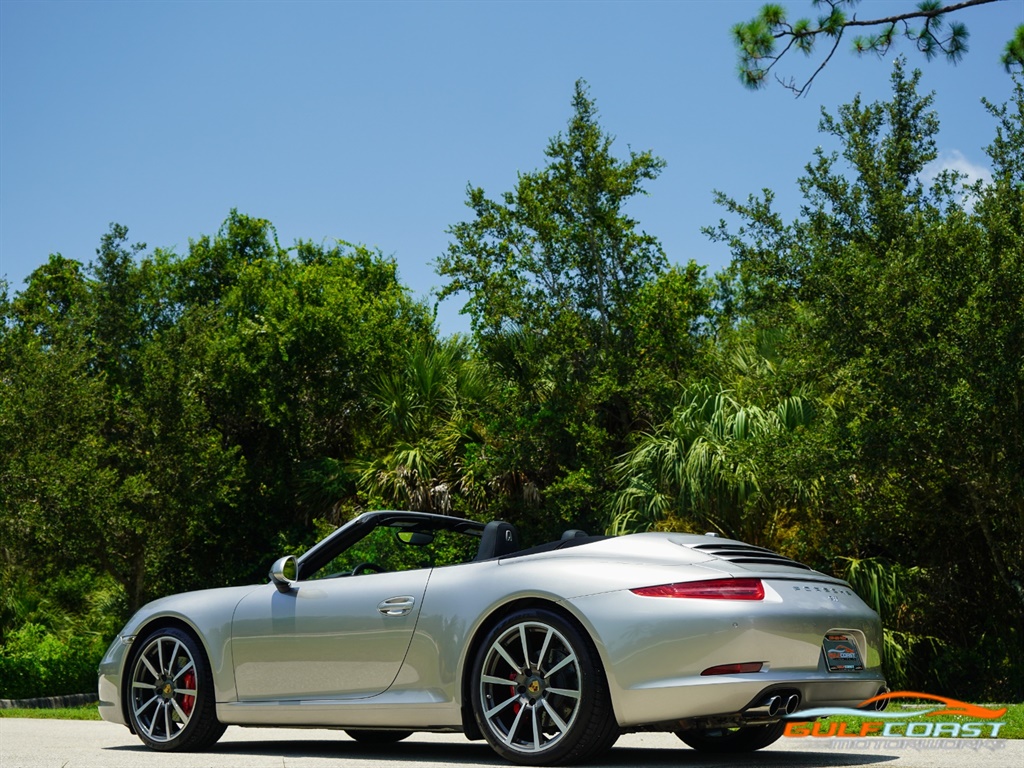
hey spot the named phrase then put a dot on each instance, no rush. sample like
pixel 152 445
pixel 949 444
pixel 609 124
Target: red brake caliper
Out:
pixel 187 702
pixel 512 689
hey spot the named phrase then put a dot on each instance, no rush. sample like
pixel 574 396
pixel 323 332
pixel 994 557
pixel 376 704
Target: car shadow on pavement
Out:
pixel 409 751
pixel 691 758
pixel 478 753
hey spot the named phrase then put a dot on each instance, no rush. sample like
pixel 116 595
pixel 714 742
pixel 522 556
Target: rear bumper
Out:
pixel 654 649
pixel 725 698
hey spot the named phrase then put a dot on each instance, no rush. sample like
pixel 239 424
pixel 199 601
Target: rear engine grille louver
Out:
pixel 745 554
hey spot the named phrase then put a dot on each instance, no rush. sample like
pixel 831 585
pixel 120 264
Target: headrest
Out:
pixel 499 538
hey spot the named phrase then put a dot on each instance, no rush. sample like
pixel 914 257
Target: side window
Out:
pixel 452 548
pixel 395 549
pixel 376 552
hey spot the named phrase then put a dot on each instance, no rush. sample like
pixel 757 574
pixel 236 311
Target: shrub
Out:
pixel 35 661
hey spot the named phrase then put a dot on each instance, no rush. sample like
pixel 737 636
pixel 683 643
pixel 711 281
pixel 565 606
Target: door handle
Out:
pixel 396 606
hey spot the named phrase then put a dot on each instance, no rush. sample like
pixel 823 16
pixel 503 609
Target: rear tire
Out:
pixel 726 740
pixel 169 693
pixel 539 692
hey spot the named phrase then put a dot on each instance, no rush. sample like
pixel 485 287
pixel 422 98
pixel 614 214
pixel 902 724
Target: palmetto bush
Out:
pixel 701 468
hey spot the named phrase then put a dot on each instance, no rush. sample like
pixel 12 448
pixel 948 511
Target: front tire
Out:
pixel 730 740
pixel 539 692
pixel 170 693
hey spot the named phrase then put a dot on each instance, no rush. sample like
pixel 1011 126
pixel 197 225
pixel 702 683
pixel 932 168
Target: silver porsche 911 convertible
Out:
pixel 402 621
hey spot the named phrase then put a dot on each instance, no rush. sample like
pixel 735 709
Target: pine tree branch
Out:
pixel 918 14
pixel 756 39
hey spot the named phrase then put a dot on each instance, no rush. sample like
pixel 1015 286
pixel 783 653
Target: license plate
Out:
pixel 841 653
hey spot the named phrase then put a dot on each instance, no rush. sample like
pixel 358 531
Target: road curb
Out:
pixel 51 702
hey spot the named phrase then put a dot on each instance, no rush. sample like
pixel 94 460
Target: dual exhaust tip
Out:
pixel 775 705
pixel 782 704
pixel 880 704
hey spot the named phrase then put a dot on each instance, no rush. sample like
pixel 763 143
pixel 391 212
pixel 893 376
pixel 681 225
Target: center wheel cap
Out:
pixel 534 687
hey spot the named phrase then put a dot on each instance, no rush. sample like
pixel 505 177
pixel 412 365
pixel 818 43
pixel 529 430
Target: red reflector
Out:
pixel 715 589
pixel 734 669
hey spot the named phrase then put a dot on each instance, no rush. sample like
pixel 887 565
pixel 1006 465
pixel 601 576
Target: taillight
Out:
pixel 714 589
pixel 735 669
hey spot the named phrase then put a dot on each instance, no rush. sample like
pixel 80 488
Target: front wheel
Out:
pixel 539 692
pixel 170 694
pixel 725 740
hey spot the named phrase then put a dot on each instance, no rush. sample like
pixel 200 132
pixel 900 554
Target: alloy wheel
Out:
pixel 163 688
pixel 531 687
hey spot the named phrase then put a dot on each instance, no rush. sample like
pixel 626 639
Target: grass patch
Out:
pixel 1014 719
pixel 88 712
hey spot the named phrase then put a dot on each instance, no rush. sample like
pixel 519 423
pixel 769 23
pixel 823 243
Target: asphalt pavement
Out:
pixel 29 743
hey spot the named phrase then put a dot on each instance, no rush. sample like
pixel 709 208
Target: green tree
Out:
pixel 51 415
pixel 553 272
pixel 108 462
pixel 284 349
pixel 909 303
pixel 159 415
pixel 758 41
pixel 559 253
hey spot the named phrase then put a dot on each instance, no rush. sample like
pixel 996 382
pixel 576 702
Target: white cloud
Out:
pixel 954 160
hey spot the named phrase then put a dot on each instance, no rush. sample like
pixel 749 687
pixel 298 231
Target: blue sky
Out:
pixel 365 121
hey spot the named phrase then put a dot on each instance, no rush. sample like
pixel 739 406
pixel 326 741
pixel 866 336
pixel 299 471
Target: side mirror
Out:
pixel 284 573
